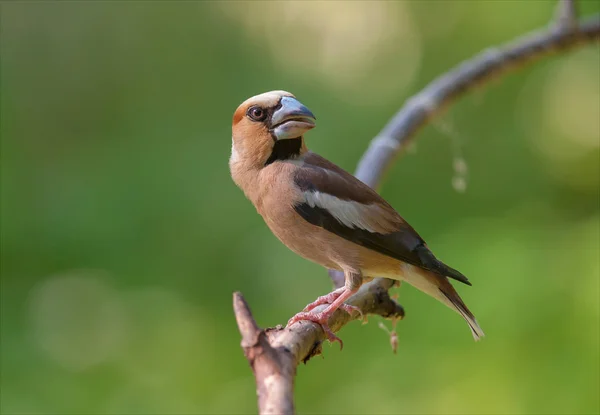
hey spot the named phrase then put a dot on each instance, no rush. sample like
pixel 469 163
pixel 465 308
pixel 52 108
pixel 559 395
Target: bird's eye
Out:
pixel 257 113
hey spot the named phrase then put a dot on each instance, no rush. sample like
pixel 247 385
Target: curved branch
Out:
pixel 421 108
pixel 275 353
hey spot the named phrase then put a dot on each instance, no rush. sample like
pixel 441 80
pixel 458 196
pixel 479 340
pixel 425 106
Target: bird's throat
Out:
pixel 285 150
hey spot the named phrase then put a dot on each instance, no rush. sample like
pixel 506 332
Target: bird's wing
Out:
pixel 338 202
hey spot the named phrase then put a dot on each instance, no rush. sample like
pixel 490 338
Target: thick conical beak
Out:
pixel 292 119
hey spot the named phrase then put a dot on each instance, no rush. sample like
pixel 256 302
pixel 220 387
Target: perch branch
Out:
pixel 275 353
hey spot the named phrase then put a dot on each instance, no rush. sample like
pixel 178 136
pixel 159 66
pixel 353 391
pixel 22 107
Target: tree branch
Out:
pixel 421 108
pixel 275 353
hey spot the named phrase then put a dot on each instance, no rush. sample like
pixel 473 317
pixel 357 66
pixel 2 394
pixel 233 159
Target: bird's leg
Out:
pixel 339 296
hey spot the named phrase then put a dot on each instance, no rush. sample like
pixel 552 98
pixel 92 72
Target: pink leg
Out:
pixel 329 299
pixel 339 296
pixel 325 299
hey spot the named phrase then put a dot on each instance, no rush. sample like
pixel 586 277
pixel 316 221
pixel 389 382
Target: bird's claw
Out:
pixel 321 319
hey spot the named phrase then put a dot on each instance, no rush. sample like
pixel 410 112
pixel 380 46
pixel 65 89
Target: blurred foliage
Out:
pixel 123 236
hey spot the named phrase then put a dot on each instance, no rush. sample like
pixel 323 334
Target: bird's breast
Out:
pixel 301 237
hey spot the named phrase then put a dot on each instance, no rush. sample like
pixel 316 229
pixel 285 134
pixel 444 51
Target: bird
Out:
pixel 325 214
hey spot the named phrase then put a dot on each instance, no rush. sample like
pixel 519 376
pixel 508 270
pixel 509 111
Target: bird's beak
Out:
pixel 292 119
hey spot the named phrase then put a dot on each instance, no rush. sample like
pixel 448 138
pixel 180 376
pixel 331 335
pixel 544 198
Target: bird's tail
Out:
pixel 453 300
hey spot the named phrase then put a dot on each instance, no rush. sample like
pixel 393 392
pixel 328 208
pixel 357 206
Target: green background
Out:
pixel 123 236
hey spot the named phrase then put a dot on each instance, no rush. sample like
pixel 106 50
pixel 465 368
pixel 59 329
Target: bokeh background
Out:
pixel 123 236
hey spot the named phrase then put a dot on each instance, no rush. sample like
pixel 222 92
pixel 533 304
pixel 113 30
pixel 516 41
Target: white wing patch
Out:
pixel 372 218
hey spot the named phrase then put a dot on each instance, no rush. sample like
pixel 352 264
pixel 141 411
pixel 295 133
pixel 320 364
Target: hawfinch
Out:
pixel 325 214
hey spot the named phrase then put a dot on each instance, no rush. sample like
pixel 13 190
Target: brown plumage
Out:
pixel 325 214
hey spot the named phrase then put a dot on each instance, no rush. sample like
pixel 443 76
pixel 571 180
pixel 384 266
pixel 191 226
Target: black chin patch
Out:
pixel 285 149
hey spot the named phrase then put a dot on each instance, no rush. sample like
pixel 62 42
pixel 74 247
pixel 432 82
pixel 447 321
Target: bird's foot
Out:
pixel 330 298
pixel 320 318
pixel 325 299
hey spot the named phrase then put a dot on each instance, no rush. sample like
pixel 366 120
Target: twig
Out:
pixel 446 89
pixel 273 369
pixel 275 353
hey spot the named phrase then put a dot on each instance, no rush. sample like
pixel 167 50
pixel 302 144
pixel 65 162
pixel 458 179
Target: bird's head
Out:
pixel 269 127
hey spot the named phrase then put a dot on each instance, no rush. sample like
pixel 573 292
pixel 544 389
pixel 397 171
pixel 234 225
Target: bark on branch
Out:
pixel 274 353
